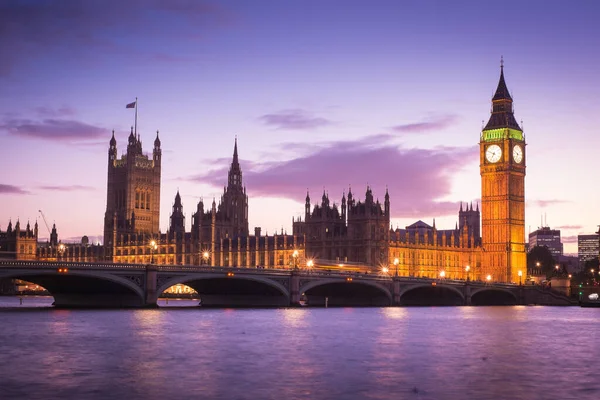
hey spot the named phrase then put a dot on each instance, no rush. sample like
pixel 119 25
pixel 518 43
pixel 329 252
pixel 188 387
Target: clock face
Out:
pixel 517 154
pixel 493 153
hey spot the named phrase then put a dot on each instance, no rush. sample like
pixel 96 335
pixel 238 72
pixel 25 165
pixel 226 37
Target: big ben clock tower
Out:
pixel 502 167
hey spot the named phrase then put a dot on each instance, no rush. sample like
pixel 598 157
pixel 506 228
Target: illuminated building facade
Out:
pixel 219 236
pixel 486 244
pixel 17 243
pixel 588 248
pixel 133 191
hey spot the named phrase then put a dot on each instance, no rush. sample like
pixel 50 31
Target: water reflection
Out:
pixel 371 353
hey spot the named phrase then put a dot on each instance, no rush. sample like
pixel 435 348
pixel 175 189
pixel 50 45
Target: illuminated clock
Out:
pixel 517 154
pixel 493 153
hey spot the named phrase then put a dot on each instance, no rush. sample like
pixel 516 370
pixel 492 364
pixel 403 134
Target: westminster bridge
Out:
pixel 75 284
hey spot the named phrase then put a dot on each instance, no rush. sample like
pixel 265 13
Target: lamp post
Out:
pixel 520 273
pixel 61 249
pixel 295 258
pixel 556 267
pixel 309 264
pixel 396 262
pixel 153 247
pixel 467 269
pixel 488 278
pixel 205 256
pixel 442 274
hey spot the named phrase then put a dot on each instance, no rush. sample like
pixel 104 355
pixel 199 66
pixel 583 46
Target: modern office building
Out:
pixel 587 248
pixel 550 238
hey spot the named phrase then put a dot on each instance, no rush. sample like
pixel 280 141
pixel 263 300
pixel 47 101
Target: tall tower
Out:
pixel 133 191
pixel 502 168
pixel 235 200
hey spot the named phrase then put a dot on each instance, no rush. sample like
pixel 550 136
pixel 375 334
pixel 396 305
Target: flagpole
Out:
pixel 136 105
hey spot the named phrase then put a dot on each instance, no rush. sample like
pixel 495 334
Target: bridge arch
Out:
pixel 493 296
pixel 341 282
pixel 80 288
pixel 427 294
pixel 215 299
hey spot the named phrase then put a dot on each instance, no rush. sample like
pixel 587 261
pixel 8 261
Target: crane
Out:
pixel 45 223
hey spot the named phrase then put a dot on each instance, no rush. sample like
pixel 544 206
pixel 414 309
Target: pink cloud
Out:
pixel 546 203
pixel 438 123
pixel 570 227
pixel 416 178
pixel 294 120
pixel 53 129
pixel 11 189
pixel 569 239
pixel 66 188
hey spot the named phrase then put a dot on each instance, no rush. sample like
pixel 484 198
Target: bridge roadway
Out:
pixel 74 284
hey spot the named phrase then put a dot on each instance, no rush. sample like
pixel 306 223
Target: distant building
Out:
pixel 587 248
pixel 550 238
pixel 19 243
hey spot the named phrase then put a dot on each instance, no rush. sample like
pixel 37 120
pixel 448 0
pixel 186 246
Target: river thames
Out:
pixel 336 353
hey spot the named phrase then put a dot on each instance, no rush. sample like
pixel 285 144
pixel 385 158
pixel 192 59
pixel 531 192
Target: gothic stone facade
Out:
pixel 490 244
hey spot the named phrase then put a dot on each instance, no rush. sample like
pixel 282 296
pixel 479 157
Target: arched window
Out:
pixel 137 199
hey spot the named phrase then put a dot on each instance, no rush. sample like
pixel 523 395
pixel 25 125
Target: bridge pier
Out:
pixel 395 292
pixel 295 288
pixel 467 294
pixel 151 296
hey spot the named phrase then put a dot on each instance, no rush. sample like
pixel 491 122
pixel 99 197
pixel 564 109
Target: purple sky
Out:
pixel 320 95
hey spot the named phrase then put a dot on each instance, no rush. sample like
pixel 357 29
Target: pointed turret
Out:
pixel 502 91
pixel 502 111
pixel 157 141
pixel 177 217
pixel 113 141
pixel 235 152
pixel 235 171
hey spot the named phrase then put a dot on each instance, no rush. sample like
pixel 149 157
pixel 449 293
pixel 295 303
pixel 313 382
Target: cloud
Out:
pixel 570 227
pixel 294 120
pixel 53 129
pixel 417 178
pixel 433 124
pixel 67 188
pixel 546 203
pixel 11 189
pixel 92 29
pixel 55 112
pixel 569 239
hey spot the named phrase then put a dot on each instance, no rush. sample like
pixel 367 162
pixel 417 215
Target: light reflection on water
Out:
pixel 345 353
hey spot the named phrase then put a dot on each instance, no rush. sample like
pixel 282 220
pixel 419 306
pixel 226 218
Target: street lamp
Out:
pixel 556 267
pixel 153 247
pixel 310 263
pixel 205 256
pixel 442 274
pixel 62 248
pixel 467 269
pixel 295 258
pixel 520 273
pixel 488 278
pixel 396 262
pixel 385 270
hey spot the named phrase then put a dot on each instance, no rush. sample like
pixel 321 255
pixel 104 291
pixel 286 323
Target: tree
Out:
pixel 540 259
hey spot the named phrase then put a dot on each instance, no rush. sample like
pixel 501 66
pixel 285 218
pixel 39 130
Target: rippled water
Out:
pixel 336 353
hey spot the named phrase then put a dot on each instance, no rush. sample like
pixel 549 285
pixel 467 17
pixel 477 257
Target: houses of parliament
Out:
pixel 488 240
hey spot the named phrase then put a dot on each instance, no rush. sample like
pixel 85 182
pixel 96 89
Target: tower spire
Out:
pixel 235 153
pixel 502 108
